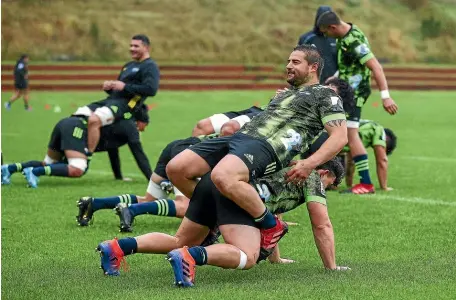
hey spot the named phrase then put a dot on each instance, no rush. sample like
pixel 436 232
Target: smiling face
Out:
pixel 299 71
pixel 138 50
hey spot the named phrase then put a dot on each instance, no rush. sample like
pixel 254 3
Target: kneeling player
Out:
pixel 209 208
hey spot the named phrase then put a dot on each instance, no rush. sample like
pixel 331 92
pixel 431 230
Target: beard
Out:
pixel 300 79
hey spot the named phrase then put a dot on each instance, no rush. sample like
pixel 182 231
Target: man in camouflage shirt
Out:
pixel 356 62
pixel 268 143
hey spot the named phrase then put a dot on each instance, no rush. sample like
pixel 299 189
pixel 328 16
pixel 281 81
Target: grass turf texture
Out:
pixel 400 245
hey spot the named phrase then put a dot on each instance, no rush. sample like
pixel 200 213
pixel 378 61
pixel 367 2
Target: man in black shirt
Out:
pixel 326 45
pixel 20 82
pixel 137 80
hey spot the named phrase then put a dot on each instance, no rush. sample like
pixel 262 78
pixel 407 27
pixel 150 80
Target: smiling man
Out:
pixel 268 142
pixel 137 80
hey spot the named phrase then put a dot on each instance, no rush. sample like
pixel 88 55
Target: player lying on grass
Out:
pixel 374 135
pixel 158 189
pixel 268 143
pixel 209 208
pixel 67 150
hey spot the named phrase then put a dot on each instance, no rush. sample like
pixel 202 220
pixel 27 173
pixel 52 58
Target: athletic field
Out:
pixel 400 244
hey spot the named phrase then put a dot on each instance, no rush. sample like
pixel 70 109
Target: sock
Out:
pixel 111 202
pixel 266 220
pixel 362 165
pixel 18 167
pixel 199 254
pixel 128 245
pixel 160 207
pixel 52 170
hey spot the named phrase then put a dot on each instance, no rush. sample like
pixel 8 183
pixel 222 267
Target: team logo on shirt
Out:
pixel 134 70
pixel 362 49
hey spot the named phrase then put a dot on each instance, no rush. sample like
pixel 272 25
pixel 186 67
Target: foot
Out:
pixel 28 108
pixel 125 216
pixel 183 266
pixel 360 189
pixel 31 178
pixel 111 257
pixel 212 237
pixel 6 175
pixel 270 237
pixel 7 105
pixel 85 215
pixel 167 186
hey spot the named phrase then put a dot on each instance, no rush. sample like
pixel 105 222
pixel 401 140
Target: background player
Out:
pixel 137 80
pixel 21 83
pixel 355 63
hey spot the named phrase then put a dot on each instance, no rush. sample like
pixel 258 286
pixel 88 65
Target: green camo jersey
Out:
pixel 353 51
pixel 371 134
pixel 280 196
pixel 293 118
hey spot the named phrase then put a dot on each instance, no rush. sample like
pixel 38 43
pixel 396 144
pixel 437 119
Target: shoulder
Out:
pixel 306 37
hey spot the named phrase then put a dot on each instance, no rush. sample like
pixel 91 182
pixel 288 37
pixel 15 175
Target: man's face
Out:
pixel 26 60
pixel 326 177
pixel 141 126
pixel 138 49
pixel 298 69
pixel 330 31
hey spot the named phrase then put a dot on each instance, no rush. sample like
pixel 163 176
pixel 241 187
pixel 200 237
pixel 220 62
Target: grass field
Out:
pixel 400 245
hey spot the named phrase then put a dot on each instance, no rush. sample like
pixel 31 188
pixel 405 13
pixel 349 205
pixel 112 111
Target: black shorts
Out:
pixel 170 151
pixel 119 108
pixel 21 84
pixel 69 134
pixel 355 114
pixel 251 112
pixel 257 154
pixel 315 145
pixel 209 207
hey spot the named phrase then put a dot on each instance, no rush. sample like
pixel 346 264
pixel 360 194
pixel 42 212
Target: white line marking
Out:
pixel 414 200
pixel 10 134
pixel 431 159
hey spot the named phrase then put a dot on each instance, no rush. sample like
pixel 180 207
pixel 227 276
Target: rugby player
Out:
pixel 67 150
pixel 268 143
pixel 208 208
pixel 21 83
pixel 356 62
pixel 137 80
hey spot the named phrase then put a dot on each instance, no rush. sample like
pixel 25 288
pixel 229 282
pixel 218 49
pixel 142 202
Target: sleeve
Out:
pixel 141 159
pixel 314 190
pixel 114 158
pixel 330 107
pixel 360 49
pixel 379 138
pixel 149 84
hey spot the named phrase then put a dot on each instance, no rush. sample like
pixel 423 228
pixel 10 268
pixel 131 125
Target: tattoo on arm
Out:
pixel 336 123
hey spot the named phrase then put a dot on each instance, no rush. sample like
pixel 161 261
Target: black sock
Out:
pixel 52 170
pixel 18 167
pixel 266 220
pixel 128 245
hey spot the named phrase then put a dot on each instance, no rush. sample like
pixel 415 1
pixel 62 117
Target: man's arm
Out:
pixel 141 159
pixel 115 162
pixel 379 76
pixel 149 85
pixel 382 166
pixel 323 233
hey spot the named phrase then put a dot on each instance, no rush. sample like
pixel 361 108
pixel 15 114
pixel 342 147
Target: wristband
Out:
pixel 385 94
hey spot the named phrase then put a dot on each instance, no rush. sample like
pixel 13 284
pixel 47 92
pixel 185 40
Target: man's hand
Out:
pixel 107 85
pixel 300 171
pixel 118 85
pixel 282 261
pixel 390 106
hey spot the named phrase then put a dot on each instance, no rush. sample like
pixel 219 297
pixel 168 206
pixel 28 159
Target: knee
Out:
pixel 200 128
pixel 74 172
pixel 227 130
pixel 76 167
pixel 248 260
pixel 173 170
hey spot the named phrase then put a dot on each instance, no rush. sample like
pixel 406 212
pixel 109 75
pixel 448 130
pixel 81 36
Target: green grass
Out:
pixel 400 245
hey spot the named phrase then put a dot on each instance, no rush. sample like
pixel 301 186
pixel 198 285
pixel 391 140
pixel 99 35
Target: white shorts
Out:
pixel 105 114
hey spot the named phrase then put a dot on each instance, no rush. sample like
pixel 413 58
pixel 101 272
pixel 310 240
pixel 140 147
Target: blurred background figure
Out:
pixel 20 82
pixel 326 45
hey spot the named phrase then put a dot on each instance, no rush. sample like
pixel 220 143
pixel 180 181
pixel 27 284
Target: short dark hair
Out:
pixel 391 141
pixel 335 168
pixel 345 92
pixel 23 56
pixel 312 56
pixel 142 113
pixel 328 18
pixel 143 38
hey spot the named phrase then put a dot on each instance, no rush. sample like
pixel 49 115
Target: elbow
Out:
pixel 322 226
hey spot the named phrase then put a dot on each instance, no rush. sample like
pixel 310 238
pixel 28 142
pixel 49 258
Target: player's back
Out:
pixel 371 133
pixel 293 118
